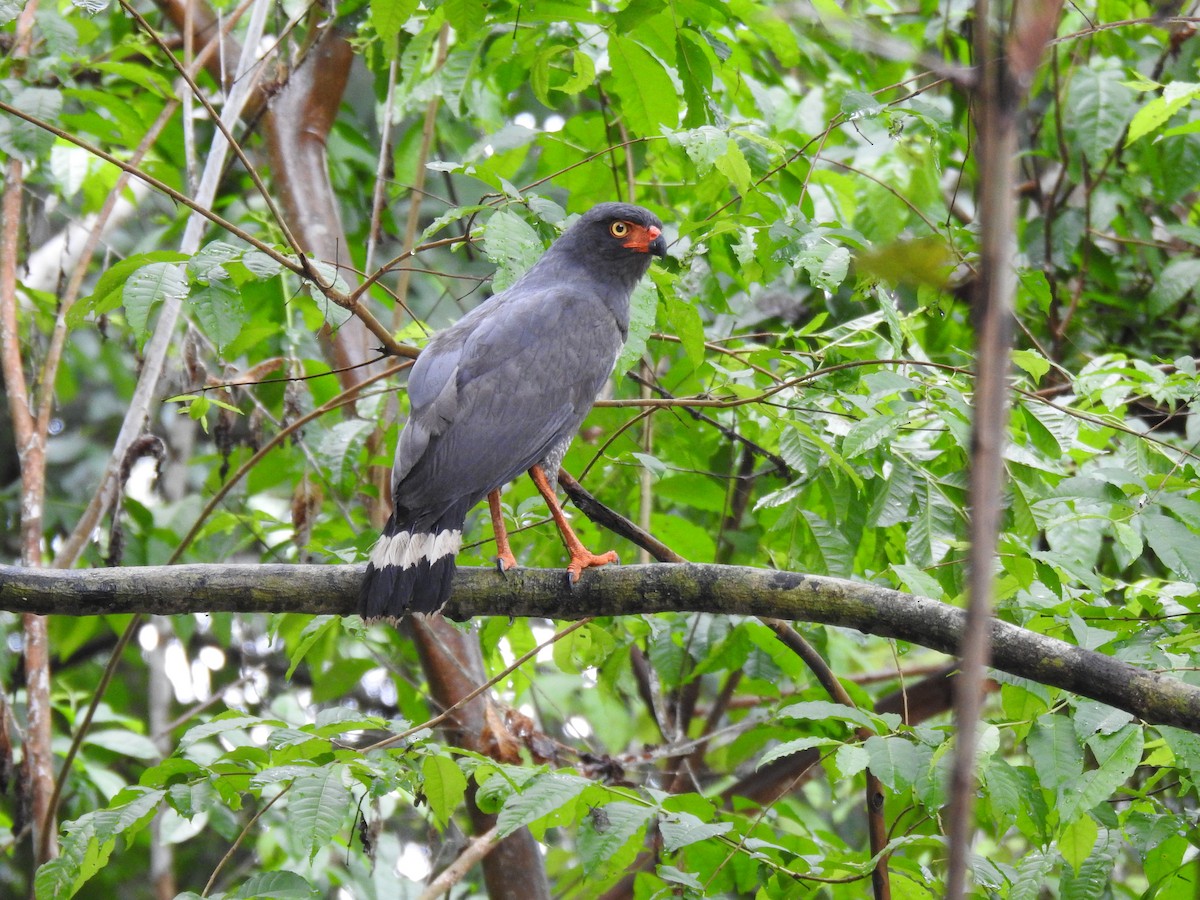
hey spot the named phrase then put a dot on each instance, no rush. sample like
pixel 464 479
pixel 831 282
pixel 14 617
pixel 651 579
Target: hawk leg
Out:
pixel 504 555
pixel 581 557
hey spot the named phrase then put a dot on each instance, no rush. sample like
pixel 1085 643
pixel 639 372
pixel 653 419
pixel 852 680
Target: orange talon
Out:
pixel 581 557
pixel 504 555
pixel 588 561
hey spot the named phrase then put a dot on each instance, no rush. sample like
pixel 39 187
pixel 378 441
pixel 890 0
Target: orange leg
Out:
pixel 581 557
pixel 504 555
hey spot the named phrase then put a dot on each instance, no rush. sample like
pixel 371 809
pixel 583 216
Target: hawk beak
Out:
pixel 648 240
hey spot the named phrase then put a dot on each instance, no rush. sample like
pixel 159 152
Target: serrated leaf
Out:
pixel 1124 753
pixel 681 829
pixel 1056 753
pixel 703 146
pixel 824 710
pixel 607 830
pixel 282 885
pixel 870 433
pixel 467 16
pixel 894 760
pixel 127 743
pixel 338 448
pixel 316 629
pixel 893 495
pixel 389 16
pixel 851 759
pixel 1177 279
pixel 1158 111
pixel 1099 105
pixel 787 748
pixel 260 264
pixel 9 10
pixel 732 164
pixel 1176 546
pixel 88 842
pixel 23 139
pixel 229 721
pixel 444 786
pixel 642 308
pixel 1029 878
pixel 512 244
pixel 1032 362
pixel 689 328
pixel 317 805
pixel 647 94
pixel 545 794
pixel 219 309
pixel 1077 840
pixel 1093 877
pixel 157 282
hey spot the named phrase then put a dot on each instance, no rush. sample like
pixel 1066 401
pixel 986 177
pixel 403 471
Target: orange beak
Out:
pixel 647 240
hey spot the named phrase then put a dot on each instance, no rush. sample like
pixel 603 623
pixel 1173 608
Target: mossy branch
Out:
pixel 612 591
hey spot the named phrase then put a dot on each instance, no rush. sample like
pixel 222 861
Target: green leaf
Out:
pixel 274 886
pixel 607 830
pixel 851 759
pixel 870 433
pixel 467 16
pixel 229 720
pixel 317 806
pixel 643 306
pixel 824 710
pixel 389 16
pixel 546 75
pixel 1056 753
pixel 732 164
pixel 1077 840
pixel 1097 109
pixel 1177 280
pixel 338 450
pixel 894 760
pixel 127 743
pixel 681 829
pixel 540 797
pixel 689 327
pixel 583 648
pixel 1174 543
pixel 1093 878
pixel 88 842
pixel 1028 880
pixel 799 745
pixel 512 244
pixel 1158 111
pixel 317 629
pixel 23 139
pixel 647 94
pixel 219 309
pixel 151 284
pixel 1120 754
pixel 444 786
pixel 703 146
pixel 1032 362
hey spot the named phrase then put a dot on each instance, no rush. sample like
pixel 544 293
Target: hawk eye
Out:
pixel 618 229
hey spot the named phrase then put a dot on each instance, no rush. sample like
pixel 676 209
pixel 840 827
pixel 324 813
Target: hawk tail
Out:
pixel 412 564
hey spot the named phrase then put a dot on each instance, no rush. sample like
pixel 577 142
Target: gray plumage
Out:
pixel 504 388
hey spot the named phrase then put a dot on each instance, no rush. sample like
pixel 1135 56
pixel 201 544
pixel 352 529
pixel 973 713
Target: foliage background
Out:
pixel 814 165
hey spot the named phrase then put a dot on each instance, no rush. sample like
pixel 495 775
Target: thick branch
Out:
pixel 616 590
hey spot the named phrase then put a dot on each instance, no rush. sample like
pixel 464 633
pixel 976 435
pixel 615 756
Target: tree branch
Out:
pixel 616 590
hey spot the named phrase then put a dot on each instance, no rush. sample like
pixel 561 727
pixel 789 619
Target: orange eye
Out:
pixel 618 229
